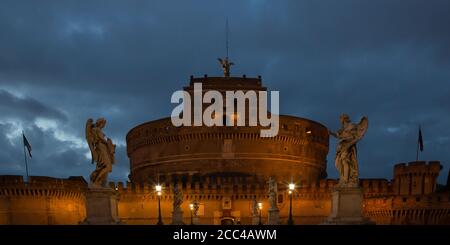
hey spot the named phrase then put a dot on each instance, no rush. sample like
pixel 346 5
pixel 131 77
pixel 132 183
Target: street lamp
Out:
pixel 159 192
pixel 260 209
pixel 291 191
pixel 191 207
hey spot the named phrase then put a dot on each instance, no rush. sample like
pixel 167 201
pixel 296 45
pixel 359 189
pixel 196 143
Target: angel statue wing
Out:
pixel 358 131
pixel 90 138
pixel 220 60
pixel 111 150
pixel 362 127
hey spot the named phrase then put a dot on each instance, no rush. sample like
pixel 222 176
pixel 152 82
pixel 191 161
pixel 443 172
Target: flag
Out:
pixel 420 140
pixel 26 144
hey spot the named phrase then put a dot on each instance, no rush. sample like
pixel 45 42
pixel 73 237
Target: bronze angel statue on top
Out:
pixel 102 151
pixel 346 160
pixel 226 65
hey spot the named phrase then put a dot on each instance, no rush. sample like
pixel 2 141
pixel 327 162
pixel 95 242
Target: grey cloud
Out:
pixel 26 108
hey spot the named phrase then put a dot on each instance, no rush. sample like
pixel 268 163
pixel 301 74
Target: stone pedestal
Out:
pixel 346 207
pixel 101 206
pixel 177 217
pixel 274 217
pixel 196 220
pixel 255 219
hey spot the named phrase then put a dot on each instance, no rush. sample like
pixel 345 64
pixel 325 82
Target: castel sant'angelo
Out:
pixel 221 175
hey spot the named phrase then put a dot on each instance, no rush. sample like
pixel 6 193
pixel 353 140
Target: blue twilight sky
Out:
pixel 62 62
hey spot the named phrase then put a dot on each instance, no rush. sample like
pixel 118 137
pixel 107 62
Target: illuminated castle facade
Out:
pixel 225 170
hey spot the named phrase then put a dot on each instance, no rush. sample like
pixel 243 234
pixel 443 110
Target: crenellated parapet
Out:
pixel 417 167
pixel 224 188
pixel 376 187
pixel 42 200
pixel 416 178
pixel 40 186
pixel 411 197
pixel 243 188
pixel 430 209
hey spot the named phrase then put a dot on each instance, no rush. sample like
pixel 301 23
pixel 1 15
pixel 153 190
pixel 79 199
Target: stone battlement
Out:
pixel 371 187
pixel 416 178
pixel 418 167
pixel 376 187
pixel 14 185
pixel 431 209
pixel 226 83
pixel 42 200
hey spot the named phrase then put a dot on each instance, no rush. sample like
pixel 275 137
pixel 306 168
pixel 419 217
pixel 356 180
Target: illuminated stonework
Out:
pixel 157 149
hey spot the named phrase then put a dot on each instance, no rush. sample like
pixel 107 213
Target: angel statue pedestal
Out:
pixel 255 219
pixel 274 217
pixel 101 200
pixel 101 206
pixel 346 207
pixel 177 217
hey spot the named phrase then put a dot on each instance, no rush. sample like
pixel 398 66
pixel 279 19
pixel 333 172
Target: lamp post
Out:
pixel 159 192
pixel 260 209
pixel 191 207
pixel 291 192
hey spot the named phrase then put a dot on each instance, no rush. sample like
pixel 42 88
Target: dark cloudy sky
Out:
pixel 62 62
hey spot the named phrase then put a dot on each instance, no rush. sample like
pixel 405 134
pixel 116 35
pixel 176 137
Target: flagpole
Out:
pixel 417 150
pixel 25 156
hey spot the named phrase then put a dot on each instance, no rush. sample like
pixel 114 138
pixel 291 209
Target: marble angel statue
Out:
pixel 102 151
pixel 273 190
pixel 177 198
pixel 346 154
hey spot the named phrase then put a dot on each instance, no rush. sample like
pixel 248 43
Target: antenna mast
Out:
pixel 226 36
pixel 225 63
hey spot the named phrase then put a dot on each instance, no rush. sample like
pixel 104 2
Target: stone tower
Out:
pixel 416 178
